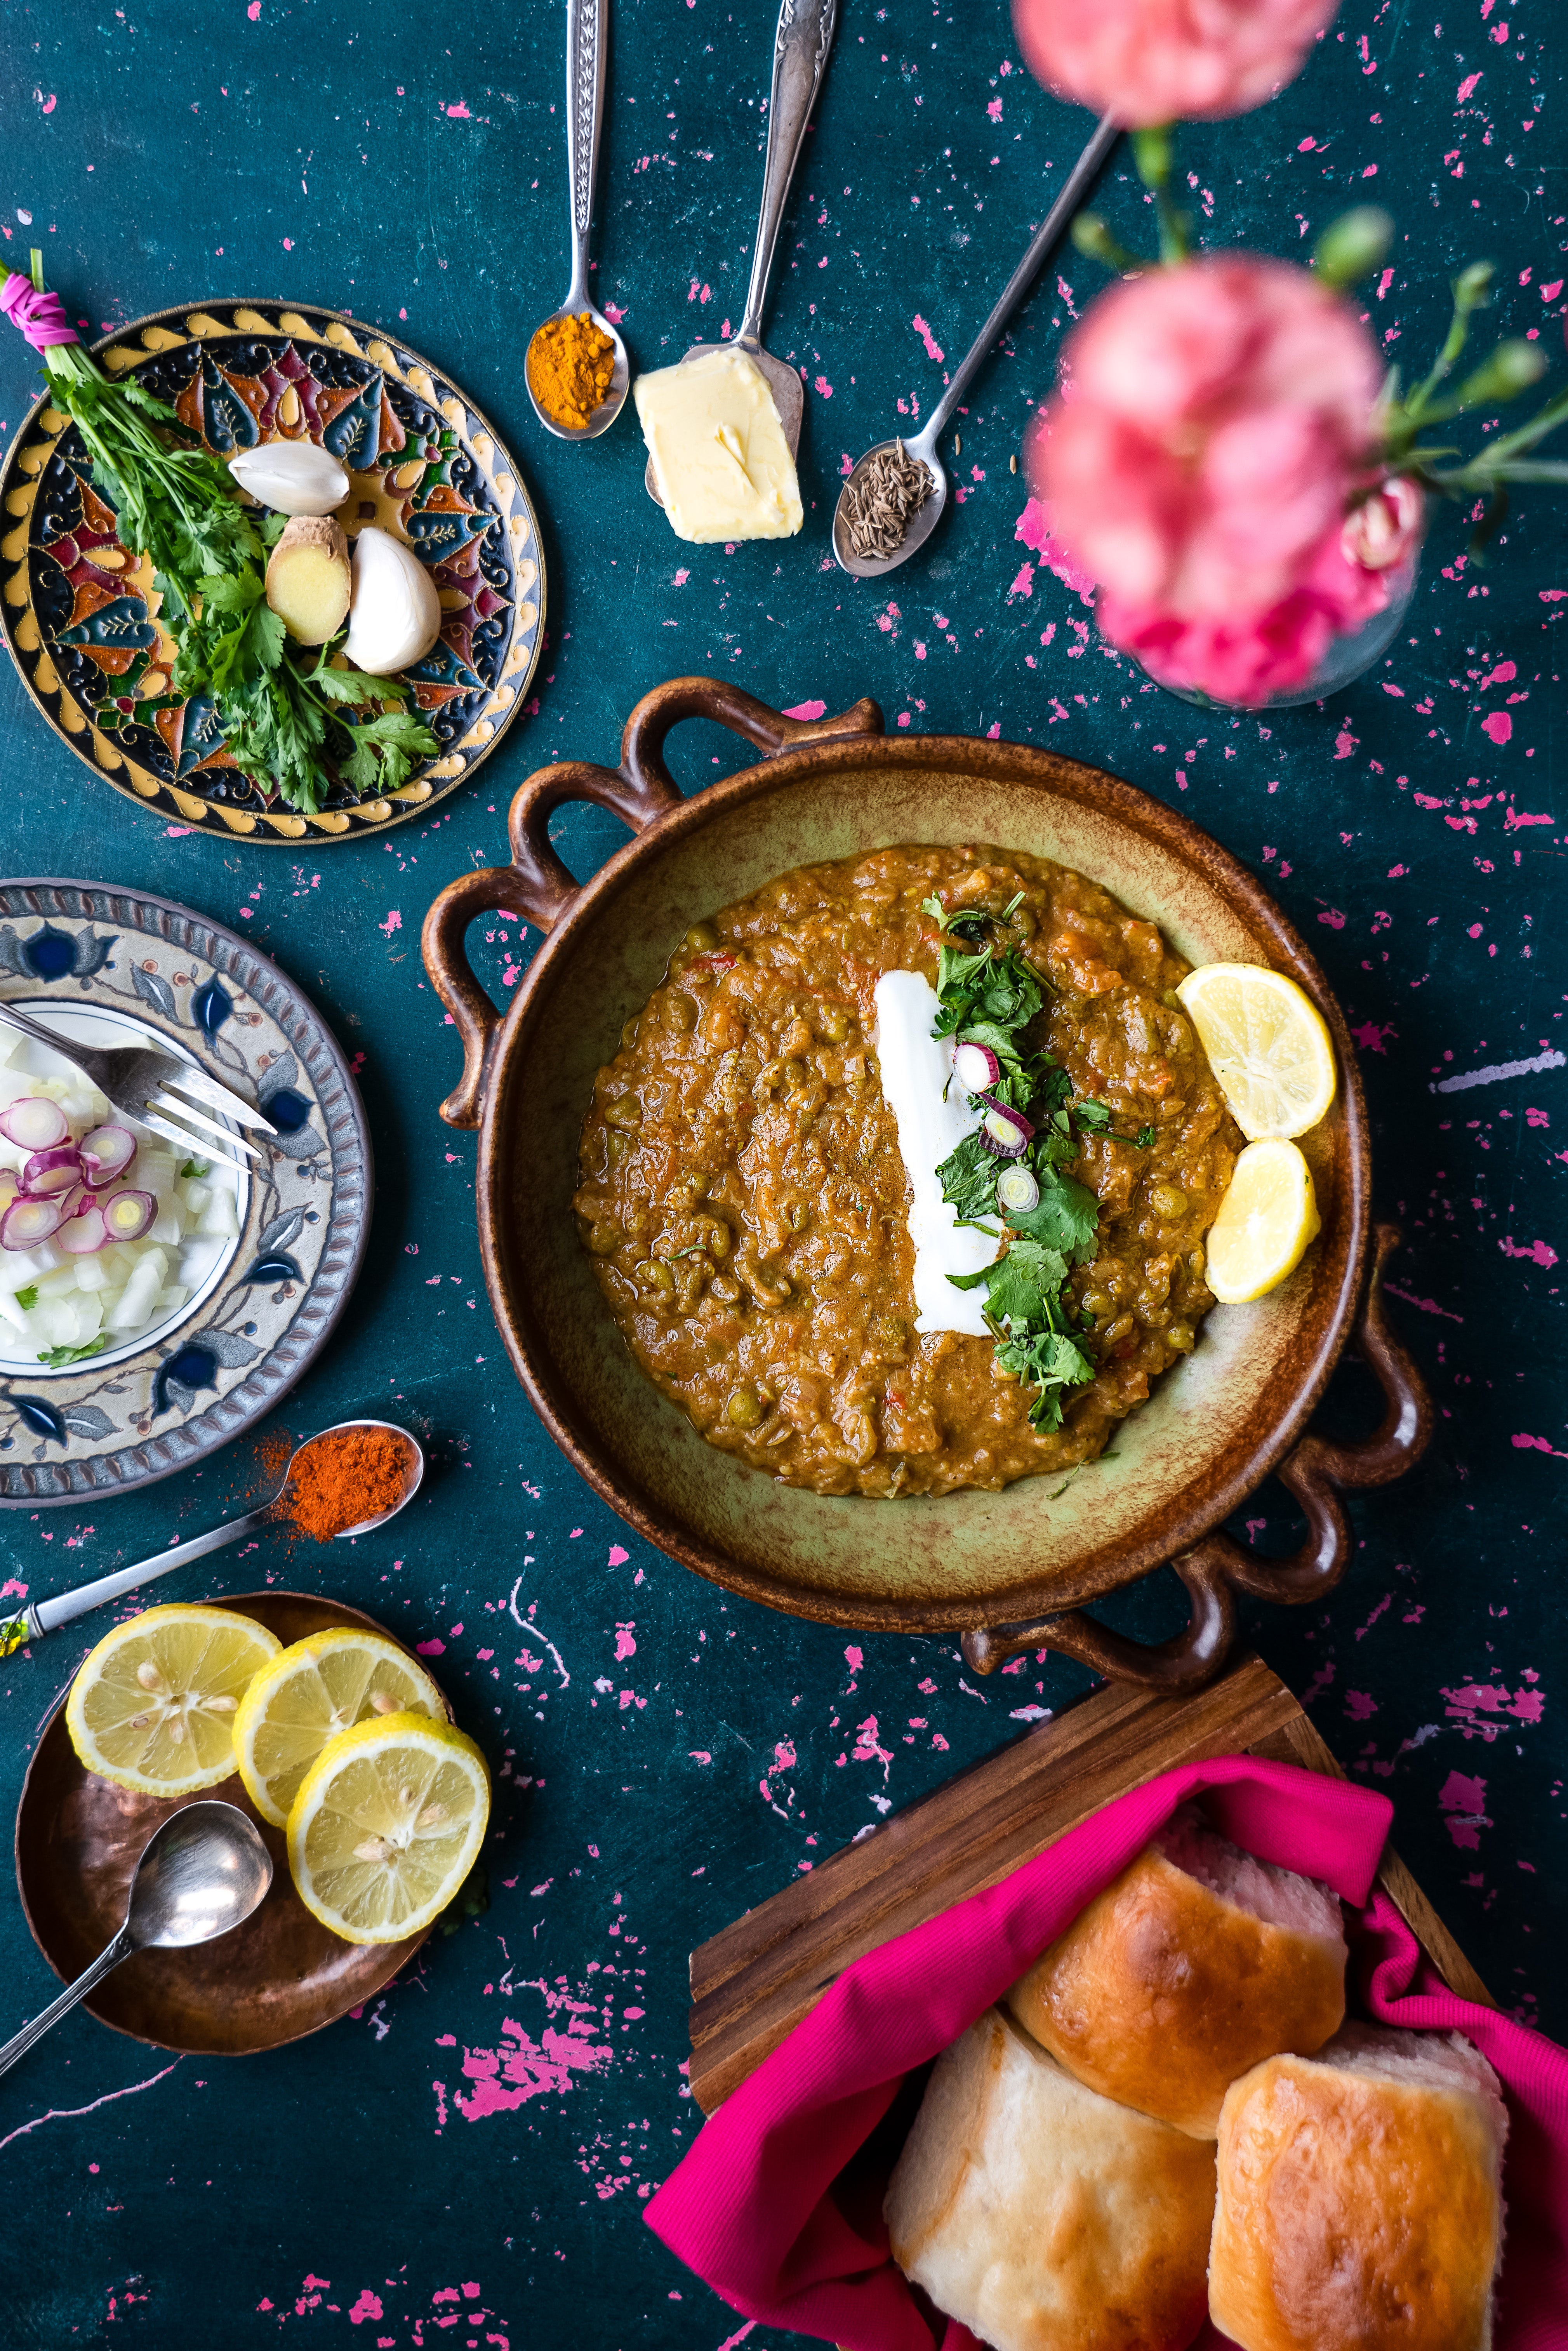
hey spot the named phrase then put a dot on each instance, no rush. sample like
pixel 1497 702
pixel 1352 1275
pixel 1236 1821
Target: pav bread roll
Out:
pixel 1194 1964
pixel 1361 2198
pixel 1046 2218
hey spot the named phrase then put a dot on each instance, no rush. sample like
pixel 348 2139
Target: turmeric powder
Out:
pixel 570 362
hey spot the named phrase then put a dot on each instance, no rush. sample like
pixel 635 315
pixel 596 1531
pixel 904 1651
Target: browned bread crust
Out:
pixel 1355 2210
pixel 1046 2218
pixel 1163 1991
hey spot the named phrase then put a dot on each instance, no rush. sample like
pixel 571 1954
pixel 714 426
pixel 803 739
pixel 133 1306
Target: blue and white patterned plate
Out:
pixel 153 971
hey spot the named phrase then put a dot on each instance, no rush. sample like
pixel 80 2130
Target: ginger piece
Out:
pixel 309 579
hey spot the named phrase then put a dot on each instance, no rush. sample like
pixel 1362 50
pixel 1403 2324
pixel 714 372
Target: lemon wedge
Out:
pixel 387 1824
pixel 311 1692
pixel 153 1706
pixel 1267 1044
pixel 1266 1222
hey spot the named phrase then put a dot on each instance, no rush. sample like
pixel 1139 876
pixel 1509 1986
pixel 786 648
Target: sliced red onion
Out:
pixel 1017 1191
pixel 56 1170
pixel 1006 1132
pixel 83 1233
pixel 975 1067
pixel 127 1215
pixel 10 1185
pixel 27 1222
pixel 34 1124
pixel 106 1154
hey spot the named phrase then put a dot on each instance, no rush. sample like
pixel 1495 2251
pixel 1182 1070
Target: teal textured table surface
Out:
pixel 467 2160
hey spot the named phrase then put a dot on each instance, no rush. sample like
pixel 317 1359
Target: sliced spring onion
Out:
pixel 106 1153
pixel 975 1066
pixel 58 1169
pixel 1017 1191
pixel 1006 1132
pixel 127 1215
pixel 28 1221
pixel 34 1124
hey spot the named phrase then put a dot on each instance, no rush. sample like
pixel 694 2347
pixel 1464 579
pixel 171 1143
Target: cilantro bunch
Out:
pixel 292 723
pixel 990 995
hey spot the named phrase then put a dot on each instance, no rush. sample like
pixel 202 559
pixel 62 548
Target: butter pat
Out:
pixel 720 459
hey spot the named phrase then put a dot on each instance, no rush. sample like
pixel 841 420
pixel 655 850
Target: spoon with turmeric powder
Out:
pixel 349 1480
pixel 577 371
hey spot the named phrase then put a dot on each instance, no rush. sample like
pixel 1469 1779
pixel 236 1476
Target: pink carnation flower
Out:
pixel 1151 61
pixel 1200 465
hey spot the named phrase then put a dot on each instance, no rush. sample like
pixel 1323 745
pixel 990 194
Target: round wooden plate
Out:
pixel 81 612
pixel 274 1979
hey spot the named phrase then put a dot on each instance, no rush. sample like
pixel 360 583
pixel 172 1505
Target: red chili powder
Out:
pixel 344 1477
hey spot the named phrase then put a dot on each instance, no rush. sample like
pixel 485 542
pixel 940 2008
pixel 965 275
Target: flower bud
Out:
pixel 1386 528
pixel 1354 246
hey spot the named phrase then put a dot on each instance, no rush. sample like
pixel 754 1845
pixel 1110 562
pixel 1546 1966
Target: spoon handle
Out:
pixel 1107 133
pixel 587 24
pixel 109 1957
pixel 801 47
pixel 42 1616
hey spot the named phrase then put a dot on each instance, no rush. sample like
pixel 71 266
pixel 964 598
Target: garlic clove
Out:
pixel 293 478
pixel 394 616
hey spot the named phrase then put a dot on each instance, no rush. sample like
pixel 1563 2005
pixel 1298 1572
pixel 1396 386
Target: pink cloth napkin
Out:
pixel 753 2209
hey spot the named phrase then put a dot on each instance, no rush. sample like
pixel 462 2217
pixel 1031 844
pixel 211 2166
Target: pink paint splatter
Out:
pixel 1499 726
pixel 1024 584
pixel 459 114
pixel 822 388
pixel 618 1558
pixel 625 1647
pixel 806 710
pixel 431 1648
pixel 1464 1802
pixel 521 2068
pixel 1541 1252
pixel 1522 1442
pixel 367 2306
pixel 394 922
pixel 1465 88
pixel 614 313
pixel 933 349
pixel 1484 1709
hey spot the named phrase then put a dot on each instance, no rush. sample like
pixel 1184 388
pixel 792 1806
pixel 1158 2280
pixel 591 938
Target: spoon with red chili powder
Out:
pixel 347 1481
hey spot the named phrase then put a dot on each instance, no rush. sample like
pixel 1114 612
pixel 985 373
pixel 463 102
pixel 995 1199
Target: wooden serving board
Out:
pixel 755 1979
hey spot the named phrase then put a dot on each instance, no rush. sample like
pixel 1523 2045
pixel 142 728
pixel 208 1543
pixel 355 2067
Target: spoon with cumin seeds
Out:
pixel 898 495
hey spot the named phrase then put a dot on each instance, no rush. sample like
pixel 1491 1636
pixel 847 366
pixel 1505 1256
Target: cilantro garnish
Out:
pixel 990 995
pixel 27 1299
pixel 56 1358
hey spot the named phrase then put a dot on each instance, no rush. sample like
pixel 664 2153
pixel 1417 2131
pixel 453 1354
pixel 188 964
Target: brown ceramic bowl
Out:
pixel 1007 1570
pixel 278 1976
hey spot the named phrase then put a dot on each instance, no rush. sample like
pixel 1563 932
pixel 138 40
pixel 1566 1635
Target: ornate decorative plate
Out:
pixel 80 611
pixel 168 977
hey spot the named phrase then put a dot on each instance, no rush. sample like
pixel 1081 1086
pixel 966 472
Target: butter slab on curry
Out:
pixel 720 459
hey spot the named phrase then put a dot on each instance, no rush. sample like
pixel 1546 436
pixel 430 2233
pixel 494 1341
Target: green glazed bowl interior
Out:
pixel 1212 1427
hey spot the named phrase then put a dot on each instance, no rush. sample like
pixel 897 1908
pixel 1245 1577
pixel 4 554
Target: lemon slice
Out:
pixel 1266 1222
pixel 386 1827
pixel 311 1692
pixel 153 1706
pixel 1267 1044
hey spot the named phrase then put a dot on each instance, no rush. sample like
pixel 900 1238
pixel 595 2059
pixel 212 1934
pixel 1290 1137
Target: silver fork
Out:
pixel 143 1085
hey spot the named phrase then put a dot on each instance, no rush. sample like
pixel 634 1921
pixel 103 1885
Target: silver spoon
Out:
pixel 587 24
pixel 801 47
pixel 201 1874
pixel 922 448
pixel 30 1624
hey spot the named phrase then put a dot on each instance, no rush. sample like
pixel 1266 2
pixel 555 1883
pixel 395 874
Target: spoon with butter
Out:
pixel 801 47
pixel 898 503
pixel 587 31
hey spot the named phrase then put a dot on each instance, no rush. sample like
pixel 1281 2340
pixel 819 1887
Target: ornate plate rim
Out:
pixel 247 1416
pixel 313 830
